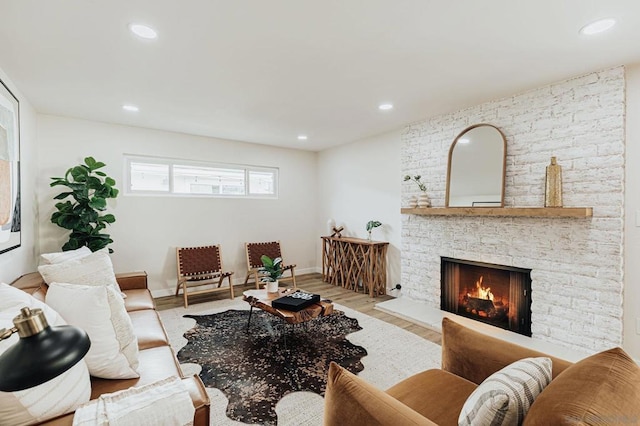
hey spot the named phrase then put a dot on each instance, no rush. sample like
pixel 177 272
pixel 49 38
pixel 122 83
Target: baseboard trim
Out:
pixel 238 281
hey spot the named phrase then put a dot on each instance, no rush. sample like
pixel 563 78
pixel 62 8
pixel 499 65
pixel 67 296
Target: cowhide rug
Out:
pixel 253 368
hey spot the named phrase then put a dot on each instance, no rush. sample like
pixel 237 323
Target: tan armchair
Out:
pixel 198 266
pixel 255 251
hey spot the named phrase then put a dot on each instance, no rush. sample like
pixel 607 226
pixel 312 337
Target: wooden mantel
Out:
pixel 575 212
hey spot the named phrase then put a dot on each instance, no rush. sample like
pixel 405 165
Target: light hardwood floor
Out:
pixel 314 284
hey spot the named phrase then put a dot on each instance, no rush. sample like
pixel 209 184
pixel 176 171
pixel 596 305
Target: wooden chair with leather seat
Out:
pixel 198 266
pixel 255 251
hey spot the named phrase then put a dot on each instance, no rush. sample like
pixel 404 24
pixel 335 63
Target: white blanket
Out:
pixel 165 402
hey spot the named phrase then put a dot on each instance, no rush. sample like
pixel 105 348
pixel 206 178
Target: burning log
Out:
pixel 476 305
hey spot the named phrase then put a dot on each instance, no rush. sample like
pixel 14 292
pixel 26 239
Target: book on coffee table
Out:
pixel 296 301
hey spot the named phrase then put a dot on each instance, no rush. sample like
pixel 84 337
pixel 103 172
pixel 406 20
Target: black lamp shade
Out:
pixel 39 358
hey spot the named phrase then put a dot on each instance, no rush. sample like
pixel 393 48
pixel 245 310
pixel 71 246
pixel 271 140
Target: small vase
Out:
pixel 413 202
pixel 272 286
pixel 423 200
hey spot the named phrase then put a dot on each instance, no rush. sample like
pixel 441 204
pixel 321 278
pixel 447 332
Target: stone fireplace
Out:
pixel 493 294
pixel 576 264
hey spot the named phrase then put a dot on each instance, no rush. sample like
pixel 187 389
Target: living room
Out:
pixel 354 176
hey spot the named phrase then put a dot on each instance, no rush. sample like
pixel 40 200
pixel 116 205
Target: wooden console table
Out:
pixel 349 262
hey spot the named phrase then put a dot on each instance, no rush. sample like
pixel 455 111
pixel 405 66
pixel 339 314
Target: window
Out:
pixel 165 176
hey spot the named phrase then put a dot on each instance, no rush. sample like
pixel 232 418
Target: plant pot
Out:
pixel 272 287
pixel 423 200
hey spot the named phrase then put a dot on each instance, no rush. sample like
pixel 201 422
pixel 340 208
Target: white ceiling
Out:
pixel 265 71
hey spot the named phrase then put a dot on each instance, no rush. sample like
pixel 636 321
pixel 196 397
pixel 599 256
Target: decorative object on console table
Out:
pixel 355 264
pixel 553 185
pixel 90 188
pixel 372 224
pixel 422 199
pixel 337 232
pixel 42 353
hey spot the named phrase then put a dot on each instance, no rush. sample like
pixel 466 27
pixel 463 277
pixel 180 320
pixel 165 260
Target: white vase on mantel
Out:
pixel 272 286
pixel 423 200
pixel 413 202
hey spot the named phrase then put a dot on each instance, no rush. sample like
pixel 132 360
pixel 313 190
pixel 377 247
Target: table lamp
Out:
pixel 42 353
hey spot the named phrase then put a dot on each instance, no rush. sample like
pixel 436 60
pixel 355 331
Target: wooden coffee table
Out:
pixel 262 300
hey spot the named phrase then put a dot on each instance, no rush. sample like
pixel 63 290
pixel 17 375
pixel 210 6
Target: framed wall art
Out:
pixel 10 225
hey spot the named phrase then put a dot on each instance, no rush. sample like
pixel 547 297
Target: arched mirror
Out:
pixel 475 176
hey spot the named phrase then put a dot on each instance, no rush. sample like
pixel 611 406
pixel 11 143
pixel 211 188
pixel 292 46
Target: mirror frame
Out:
pixel 504 165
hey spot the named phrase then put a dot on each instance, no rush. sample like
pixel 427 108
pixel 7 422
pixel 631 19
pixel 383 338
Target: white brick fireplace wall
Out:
pixel 577 266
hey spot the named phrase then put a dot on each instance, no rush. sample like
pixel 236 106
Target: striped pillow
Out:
pixel 505 397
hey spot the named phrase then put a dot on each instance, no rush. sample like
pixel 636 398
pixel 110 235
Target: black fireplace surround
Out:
pixel 493 294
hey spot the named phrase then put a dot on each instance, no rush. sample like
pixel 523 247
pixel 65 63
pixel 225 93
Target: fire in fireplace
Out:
pixel 494 294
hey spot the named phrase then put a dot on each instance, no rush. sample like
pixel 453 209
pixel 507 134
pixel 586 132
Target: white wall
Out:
pixel 577 264
pixel 148 229
pixel 21 260
pixel 359 182
pixel 631 340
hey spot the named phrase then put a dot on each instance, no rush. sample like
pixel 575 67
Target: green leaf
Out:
pixel 109 181
pixel 90 161
pixel 59 182
pixel 64 207
pixel 98 203
pixel 373 224
pixel 94 182
pixel 109 218
pixel 71 245
pixel 101 173
pixel 68 222
pixel 266 261
pixel 62 195
pixel 79 173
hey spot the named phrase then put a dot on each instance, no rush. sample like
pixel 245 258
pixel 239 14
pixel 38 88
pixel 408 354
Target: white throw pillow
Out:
pixel 13 299
pixel 63 256
pixel 95 269
pixel 101 313
pixel 165 402
pixel 62 394
pixel 505 397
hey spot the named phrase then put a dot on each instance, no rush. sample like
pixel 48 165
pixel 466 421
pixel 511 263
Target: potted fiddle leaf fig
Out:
pixel 88 189
pixel 271 272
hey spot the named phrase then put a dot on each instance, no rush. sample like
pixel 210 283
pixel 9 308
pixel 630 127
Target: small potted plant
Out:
pixel 271 272
pixel 372 224
pixel 423 198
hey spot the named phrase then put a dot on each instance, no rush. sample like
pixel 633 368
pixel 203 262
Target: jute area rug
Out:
pixel 392 355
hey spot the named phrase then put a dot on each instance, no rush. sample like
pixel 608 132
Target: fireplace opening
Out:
pixel 494 294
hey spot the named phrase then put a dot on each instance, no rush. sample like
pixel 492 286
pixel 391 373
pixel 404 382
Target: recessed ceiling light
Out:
pixel 143 31
pixel 131 108
pixel 599 26
pixel 302 137
pixel 385 107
